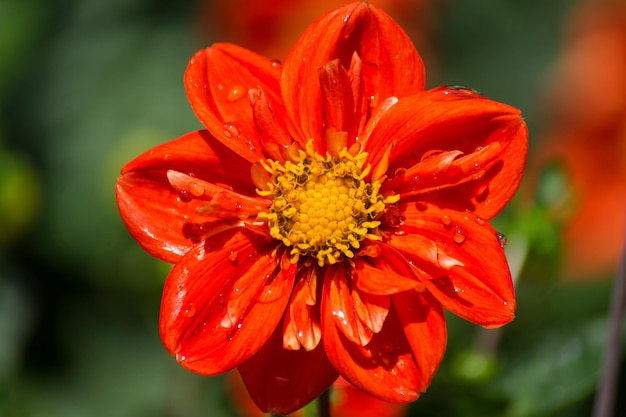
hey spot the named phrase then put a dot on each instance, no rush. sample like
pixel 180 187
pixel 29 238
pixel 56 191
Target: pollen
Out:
pixel 321 205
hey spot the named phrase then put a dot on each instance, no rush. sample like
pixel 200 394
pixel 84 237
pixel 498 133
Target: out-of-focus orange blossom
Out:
pixel 585 136
pixel 271 28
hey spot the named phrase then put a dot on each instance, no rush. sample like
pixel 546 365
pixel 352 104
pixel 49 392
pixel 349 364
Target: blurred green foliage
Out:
pixel 86 85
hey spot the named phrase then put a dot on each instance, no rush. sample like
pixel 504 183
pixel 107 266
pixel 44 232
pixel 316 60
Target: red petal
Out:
pixel 216 311
pixel 302 324
pixel 385 274
pixel 153 211
pixel 491 136
pixel 281 381
pixel 468 270
pixel 222 202
pixel 390 64
pixel 425 327
pixel 371 309
pixel 385 368
pixel 337 98
pixel 337 300
pixel 217 81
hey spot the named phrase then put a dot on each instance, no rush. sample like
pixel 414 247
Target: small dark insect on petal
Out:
pixel 464 89
pixel 502 239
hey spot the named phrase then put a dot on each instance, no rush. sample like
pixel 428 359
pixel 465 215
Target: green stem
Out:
pixel 323 404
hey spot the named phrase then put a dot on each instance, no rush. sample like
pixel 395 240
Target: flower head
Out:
pixel 327 215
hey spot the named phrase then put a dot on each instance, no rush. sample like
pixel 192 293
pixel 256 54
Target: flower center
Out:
pixel 321 206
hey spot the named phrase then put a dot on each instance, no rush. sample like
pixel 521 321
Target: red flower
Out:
pixel 327 215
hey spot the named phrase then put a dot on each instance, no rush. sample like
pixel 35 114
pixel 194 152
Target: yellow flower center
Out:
pixel 321 206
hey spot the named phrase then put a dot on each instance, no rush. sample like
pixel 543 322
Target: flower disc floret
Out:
pixel 321 205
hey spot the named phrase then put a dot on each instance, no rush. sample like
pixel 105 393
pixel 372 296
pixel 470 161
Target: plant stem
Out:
pixel 605 397
pixel 323 404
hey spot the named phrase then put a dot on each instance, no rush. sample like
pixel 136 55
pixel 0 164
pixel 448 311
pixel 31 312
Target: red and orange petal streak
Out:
pixel 234 299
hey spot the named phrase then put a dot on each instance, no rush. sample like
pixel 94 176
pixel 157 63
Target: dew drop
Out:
pixel 236 93
pixel 374 99
pixel 458 236
pixel 181 357
pixel 399 171
pixel 231 130
pixel 276 63
pixel 220 87
pixel 480 221
pixel 479 174
pixel 394 217
pixel 196 189
pixel 446 220
pixel 190 311
pixel 482 192
pixel 232 256
pixel 281 381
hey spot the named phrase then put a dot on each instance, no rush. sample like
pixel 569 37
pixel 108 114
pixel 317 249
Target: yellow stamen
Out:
pixel 321 205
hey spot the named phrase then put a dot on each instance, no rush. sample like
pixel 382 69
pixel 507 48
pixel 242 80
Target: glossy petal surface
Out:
pixel 489 140
pixel 461 254
pixel 217 82
pixel 210 324
pixel 153 211
pixel 391 65
pixel 281 381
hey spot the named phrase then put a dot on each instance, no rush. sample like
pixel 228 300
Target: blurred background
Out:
pixel 87 85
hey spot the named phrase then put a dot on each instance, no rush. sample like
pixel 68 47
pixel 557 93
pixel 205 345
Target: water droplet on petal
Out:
pixel 190 311
pixel 399 171
pixel 446 220
pixel 180 357
pixel 374 99
pixel 482 192
pixel 276 63
pixel 480 221
pixel 280 381
pixel 458 236
pixel 394 217
pixel 232 129
pixel 232 256
pixel 236 93
pixel 196 189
